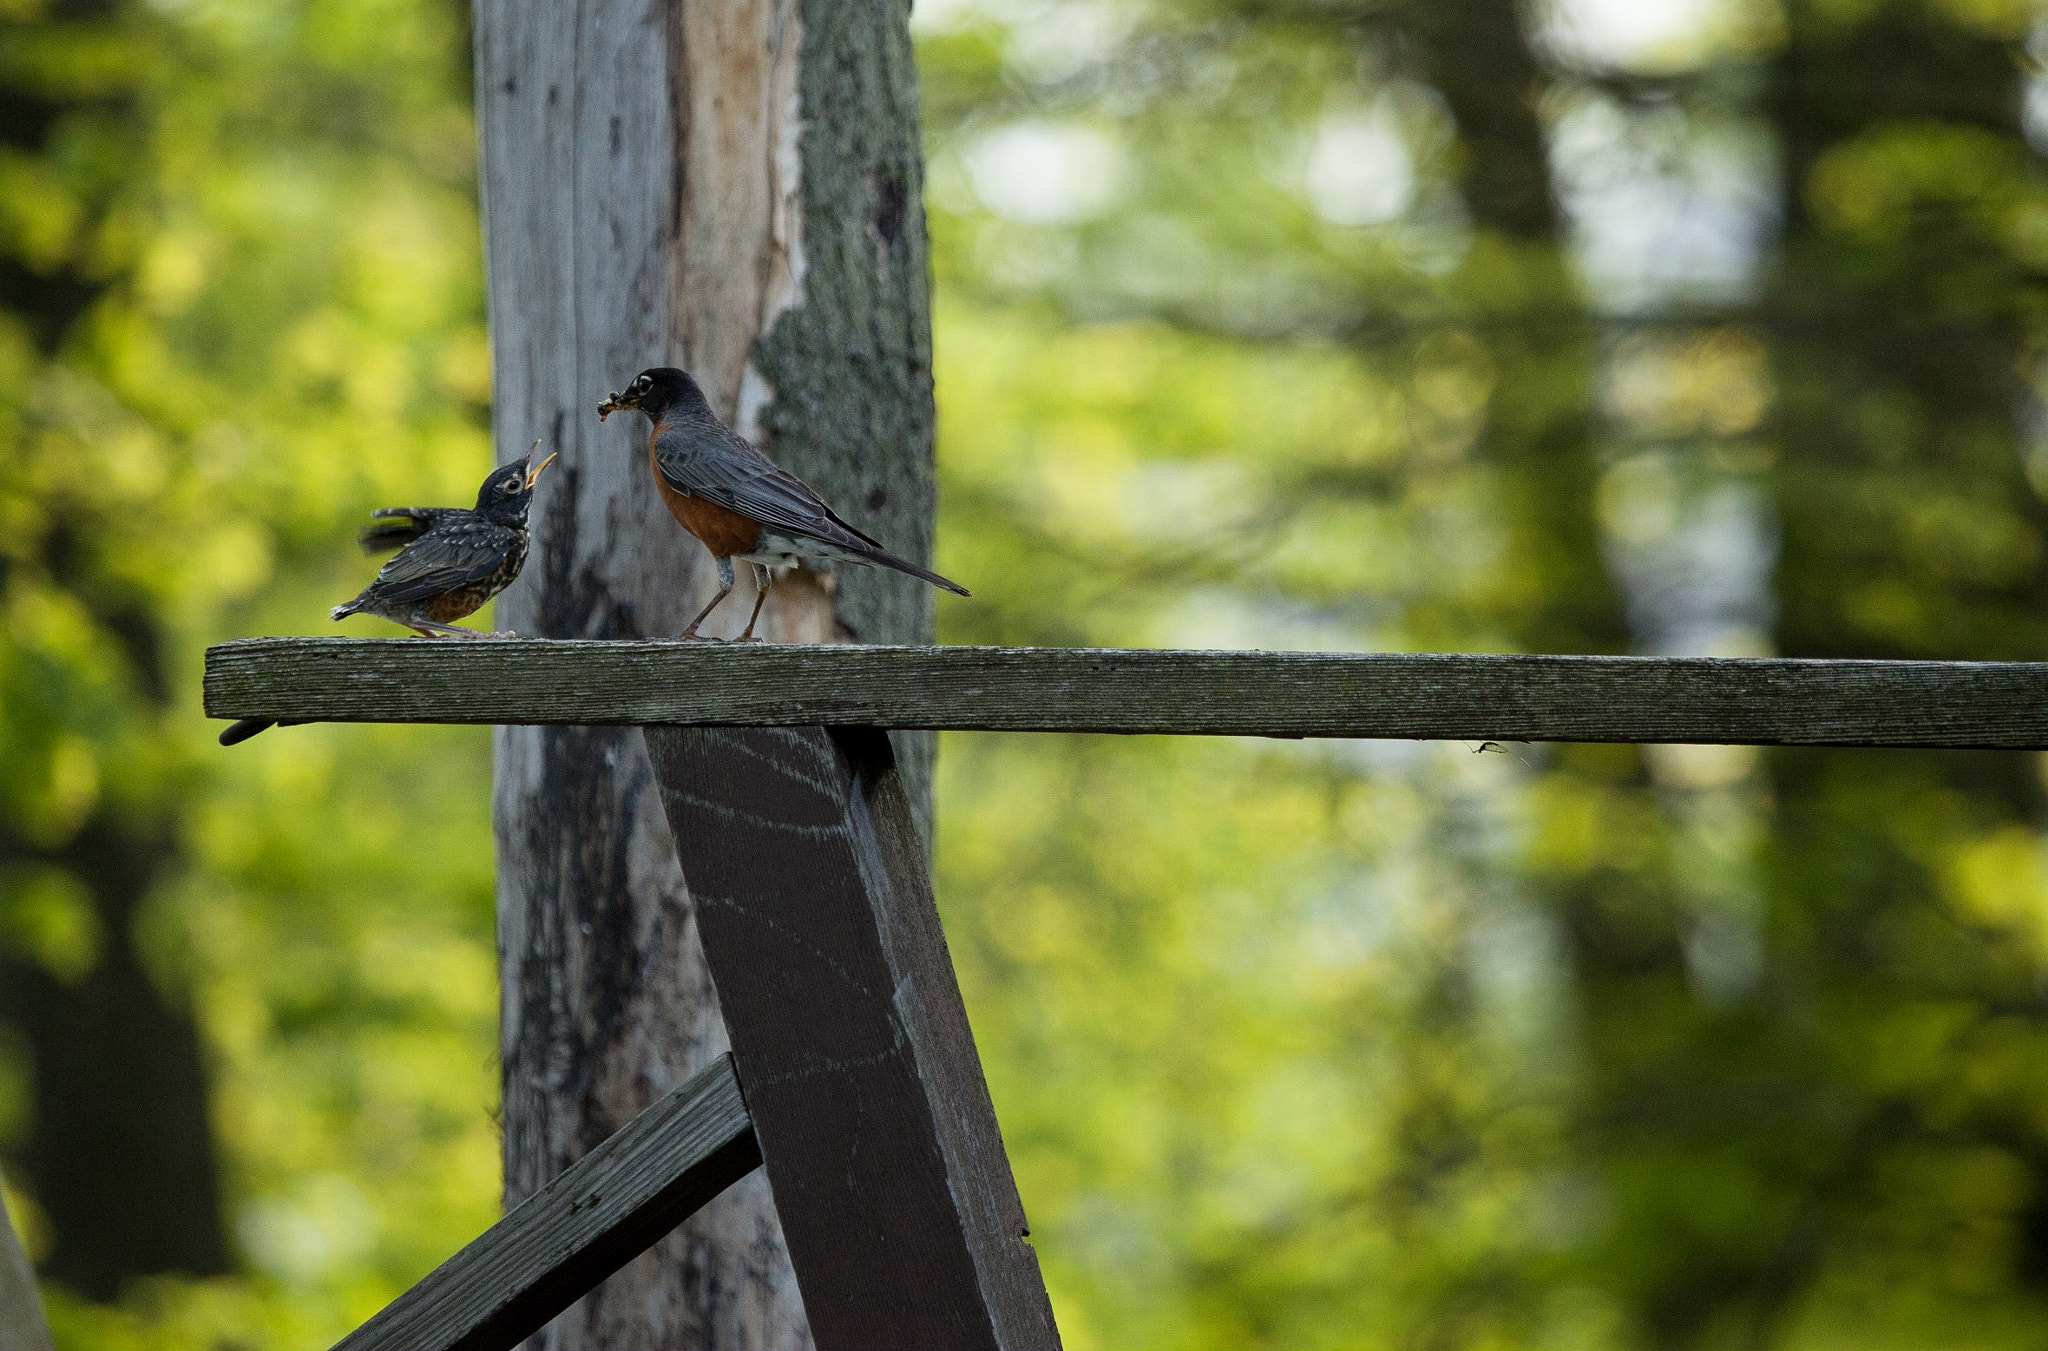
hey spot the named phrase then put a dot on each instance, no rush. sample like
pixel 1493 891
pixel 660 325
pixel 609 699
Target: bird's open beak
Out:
pixel 613 402
pixel 533 476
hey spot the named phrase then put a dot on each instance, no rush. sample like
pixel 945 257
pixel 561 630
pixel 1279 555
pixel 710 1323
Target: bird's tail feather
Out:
pixel 889 560
pixel 396 533
pixel 344 611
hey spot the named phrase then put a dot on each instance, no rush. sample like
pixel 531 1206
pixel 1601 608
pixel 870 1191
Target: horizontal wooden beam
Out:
pixel 599 1214
pixel 1762 701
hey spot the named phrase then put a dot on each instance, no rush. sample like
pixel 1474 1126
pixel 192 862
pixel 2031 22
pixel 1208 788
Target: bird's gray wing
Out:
pixel 720 466
pixel 445 558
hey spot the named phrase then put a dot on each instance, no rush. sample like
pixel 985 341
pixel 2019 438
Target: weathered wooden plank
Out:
pixel 876 1130
pixel 1764 701
pixel 604 1210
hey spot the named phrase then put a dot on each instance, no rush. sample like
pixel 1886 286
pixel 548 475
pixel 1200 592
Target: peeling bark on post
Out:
pixel 734 187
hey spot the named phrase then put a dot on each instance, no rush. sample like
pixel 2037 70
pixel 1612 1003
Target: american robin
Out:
pixel 721 488
pixel 450 561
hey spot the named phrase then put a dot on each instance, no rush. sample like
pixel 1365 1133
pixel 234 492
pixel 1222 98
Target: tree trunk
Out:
pixel 735 188
pixel 1540 435
pixel 119 1087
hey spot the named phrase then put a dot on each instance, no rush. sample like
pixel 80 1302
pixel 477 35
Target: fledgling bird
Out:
pixel 724 490
pixel 454 559
pixel 450 561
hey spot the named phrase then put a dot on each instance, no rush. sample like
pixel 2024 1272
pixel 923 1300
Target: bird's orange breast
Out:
pixel 725 532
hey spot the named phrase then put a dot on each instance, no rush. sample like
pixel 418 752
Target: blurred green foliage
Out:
pixel 1280 323
pixel 243 305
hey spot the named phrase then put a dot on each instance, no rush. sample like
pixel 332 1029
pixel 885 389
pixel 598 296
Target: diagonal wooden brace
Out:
pixel 852 1044
pixel 597 1216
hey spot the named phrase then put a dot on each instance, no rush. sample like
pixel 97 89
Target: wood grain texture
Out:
pixel 1762 701
pixel 604 1210
pixel 876 1129
pixel 845 396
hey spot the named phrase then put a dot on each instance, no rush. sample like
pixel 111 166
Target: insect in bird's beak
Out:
pixel 533 476
pixel 613 402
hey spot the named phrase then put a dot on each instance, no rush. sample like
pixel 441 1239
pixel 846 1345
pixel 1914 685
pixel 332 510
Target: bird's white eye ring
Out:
pixel 643 383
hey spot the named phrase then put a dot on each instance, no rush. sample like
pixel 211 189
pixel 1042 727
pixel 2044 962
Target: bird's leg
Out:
pixel 427 628
pixel 726 581
pixel 763 581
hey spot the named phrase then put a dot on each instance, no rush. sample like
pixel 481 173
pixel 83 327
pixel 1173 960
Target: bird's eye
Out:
pixel 642 383
pixel 509 486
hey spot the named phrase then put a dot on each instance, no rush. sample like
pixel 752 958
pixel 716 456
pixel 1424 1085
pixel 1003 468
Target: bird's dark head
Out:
pixel 654 392
pixel 508 492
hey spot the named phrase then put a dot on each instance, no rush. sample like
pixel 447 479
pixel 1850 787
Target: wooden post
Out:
pixel 852 1045
pixel 734 186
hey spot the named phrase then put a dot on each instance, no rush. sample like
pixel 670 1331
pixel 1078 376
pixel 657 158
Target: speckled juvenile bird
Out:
pixel 450 561
pixel 721 488
pixel 454 559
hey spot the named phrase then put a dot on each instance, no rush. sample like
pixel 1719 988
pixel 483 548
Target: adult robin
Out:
pixel 450 561
pixel 721 488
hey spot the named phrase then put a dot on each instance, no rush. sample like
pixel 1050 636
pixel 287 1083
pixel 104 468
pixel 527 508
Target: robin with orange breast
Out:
pixel 450 561
pixel 721 488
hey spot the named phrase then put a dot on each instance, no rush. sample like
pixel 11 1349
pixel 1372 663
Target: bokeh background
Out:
pixel 1667 326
